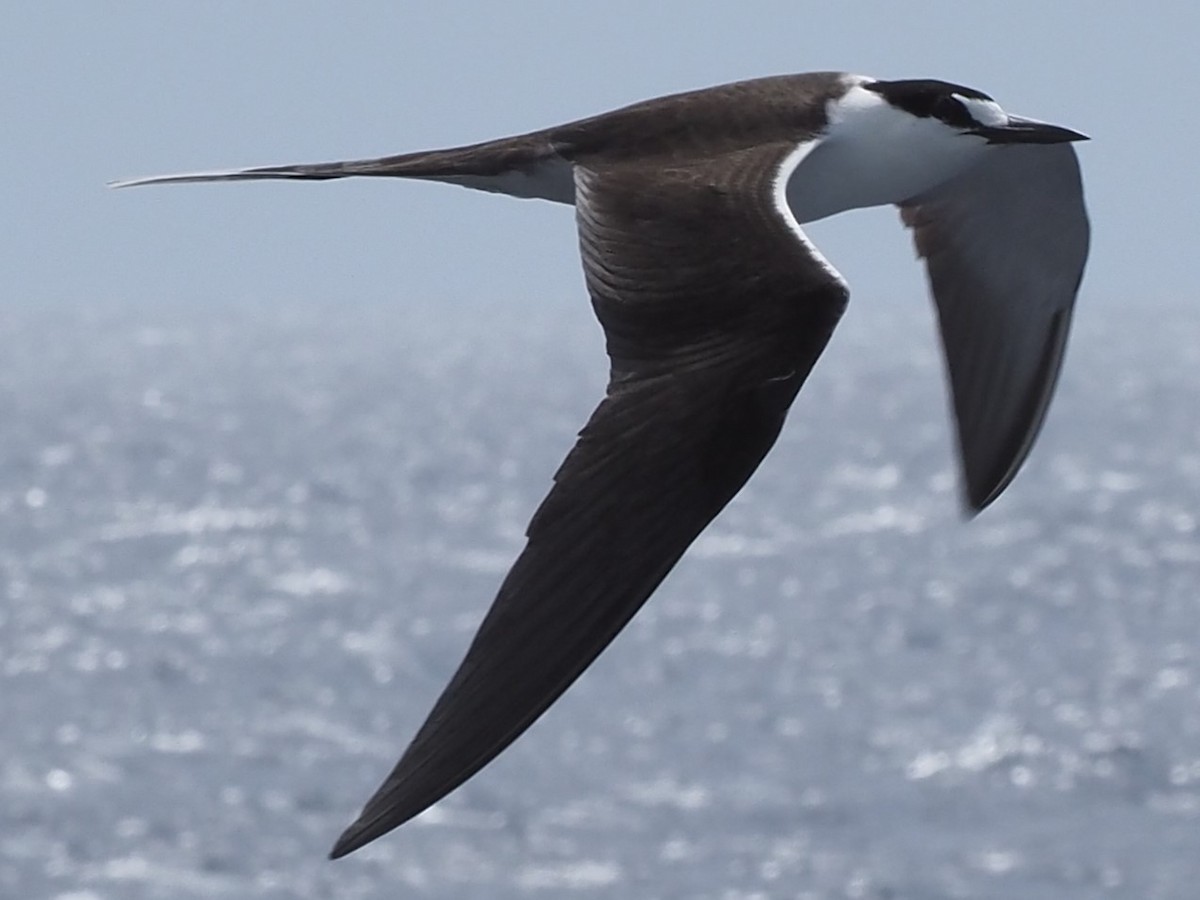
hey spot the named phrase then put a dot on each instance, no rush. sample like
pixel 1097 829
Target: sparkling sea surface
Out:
pixel 245 544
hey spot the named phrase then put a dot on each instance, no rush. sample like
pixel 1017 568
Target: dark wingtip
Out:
pixel 975 502
pixel 345 845
pixel 364 830
pixel 358 835
pixel 393 804
pixel 981 490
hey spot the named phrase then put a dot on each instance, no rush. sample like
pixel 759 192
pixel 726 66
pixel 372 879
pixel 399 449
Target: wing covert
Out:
pixel 714 312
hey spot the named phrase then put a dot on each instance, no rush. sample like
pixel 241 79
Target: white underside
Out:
pixel 875 155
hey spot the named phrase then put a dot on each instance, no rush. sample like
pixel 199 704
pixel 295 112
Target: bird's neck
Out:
pixel 872 154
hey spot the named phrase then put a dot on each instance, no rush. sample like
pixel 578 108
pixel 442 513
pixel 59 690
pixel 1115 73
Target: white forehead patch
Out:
pixel 985 112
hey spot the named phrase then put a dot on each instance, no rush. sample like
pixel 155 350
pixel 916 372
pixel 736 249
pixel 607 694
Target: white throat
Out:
pixel 873 154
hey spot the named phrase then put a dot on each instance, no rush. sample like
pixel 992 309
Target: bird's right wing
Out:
pixel 1005 244
pixel 715 309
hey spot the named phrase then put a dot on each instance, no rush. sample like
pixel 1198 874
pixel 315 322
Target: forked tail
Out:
pixel 524 166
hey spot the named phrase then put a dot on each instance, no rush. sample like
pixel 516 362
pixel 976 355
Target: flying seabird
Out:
pixel 715 306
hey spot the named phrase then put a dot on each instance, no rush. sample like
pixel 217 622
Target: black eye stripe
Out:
pixel 952 111
pixel 929 98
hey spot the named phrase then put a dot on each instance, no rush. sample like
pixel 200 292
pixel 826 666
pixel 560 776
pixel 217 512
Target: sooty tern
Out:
pixel 715 307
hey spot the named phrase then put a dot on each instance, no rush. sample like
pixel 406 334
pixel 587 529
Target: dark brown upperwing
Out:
pixel 1004 244
pixel 715 311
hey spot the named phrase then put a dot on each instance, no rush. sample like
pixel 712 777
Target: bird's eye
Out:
pixel 952 112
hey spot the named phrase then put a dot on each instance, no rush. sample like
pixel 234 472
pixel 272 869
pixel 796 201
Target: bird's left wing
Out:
pixel 1005 244
pixel 715 308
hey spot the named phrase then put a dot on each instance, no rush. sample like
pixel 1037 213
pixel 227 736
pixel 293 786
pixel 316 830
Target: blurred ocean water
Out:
pixel 243 546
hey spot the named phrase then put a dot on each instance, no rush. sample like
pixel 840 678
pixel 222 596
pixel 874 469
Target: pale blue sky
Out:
pixel 90 92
